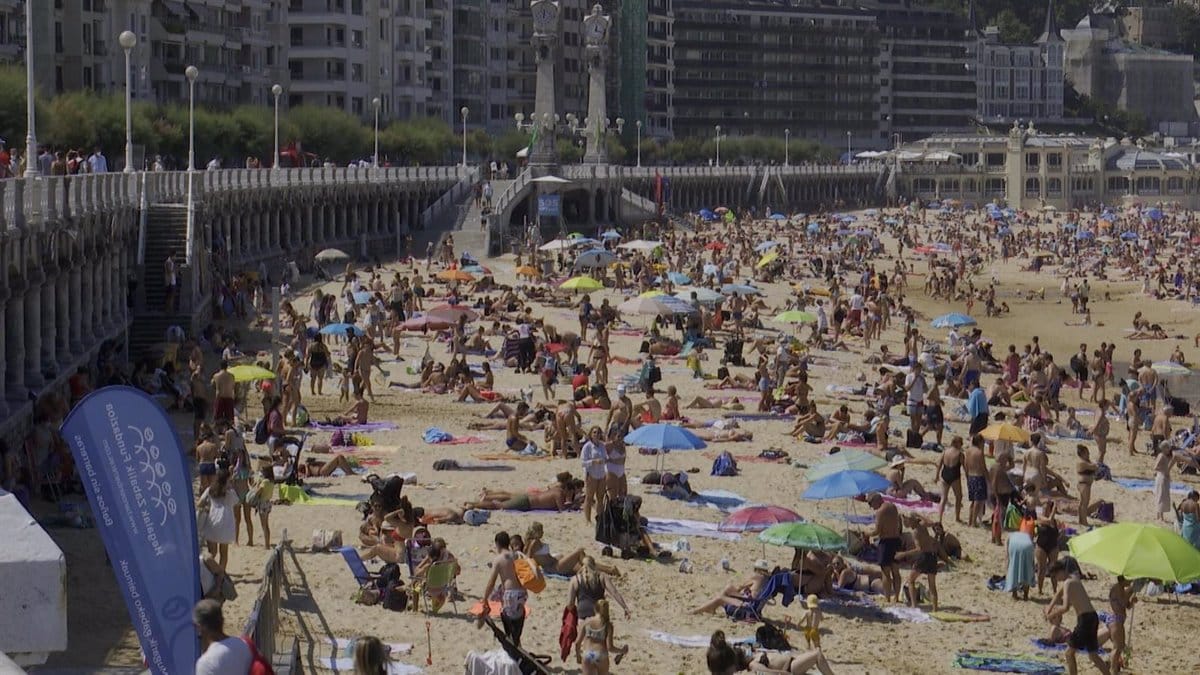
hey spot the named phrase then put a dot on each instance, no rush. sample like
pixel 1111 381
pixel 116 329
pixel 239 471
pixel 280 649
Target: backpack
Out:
pixel 529 573
pixel 337 439
pixel 724 465
pixel 770 637
pixel 260 431
pixel 259 665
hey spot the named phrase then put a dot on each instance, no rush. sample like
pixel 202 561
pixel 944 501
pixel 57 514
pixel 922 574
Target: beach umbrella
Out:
pixel 1179 234
pixel 331 255
pixel 707 214
pixel 1138 551
pixel 341 329
pixel 1005 432
pixel 362 297
pixel 585 241
pixel 814 228
pixel 766 246
pixel 610 234
pixel 1129 236
pixel 527 271
pixel 455 275
pixel 1068 226
pixel 778 216
pixel 1155 214
pixel 740 289
pixel 581 283
pixel 809 536
pixel 556 245
pixel 871 212
pixel 1105 239
pixel 714 246
pixel 652 306
pixel 890 221
pixel 844 484
pixel 652 293
pixel 452 313
pixel 596 257
pixel 952 320
pixel 1084 234
pixel 711 270
pixel 679 278
pixel 768 259
pixel 795 316
pixel 1170 369
pixel 849 219
pixel 664 437
pixel 640 245
pixel 758 518
pixel 426 322
pixel 846 460
pixel 705 296
pixel 249 373
pixel 721 209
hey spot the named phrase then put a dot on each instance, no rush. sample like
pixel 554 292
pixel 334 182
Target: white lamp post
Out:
pixel 849 157
pixel 718 128
pixel 638 124
pixel 128 41
pixel 375 103
pixel 192 73
pixel 276 91
pixel 31 153
pixel 787 135
pixel 464 112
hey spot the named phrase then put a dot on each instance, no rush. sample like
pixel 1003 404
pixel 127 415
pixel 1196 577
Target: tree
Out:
pixel 12 105
pixel 329 132
pixel 506 147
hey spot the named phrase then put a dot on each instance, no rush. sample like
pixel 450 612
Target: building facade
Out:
pixel 1029 170
pixel 1017 81
pixel 759 68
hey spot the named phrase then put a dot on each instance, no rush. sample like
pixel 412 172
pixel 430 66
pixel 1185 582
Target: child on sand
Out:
pixel 810 623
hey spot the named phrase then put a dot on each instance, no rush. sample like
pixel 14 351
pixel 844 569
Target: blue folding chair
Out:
pixel 357 567
pixel 779 582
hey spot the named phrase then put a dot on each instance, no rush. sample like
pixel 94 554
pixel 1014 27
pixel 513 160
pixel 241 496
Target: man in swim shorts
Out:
pixel 511 594
pixel 1087 623
pixel 977 480
pixel 888 529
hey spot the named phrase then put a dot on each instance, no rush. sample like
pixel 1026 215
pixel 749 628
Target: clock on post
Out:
pixel 545 16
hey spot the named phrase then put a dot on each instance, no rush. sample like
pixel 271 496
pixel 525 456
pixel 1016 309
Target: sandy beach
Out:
pixel 318 602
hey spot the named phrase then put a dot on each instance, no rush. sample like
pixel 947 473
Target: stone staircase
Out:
pixel 468 235
pixel 166 231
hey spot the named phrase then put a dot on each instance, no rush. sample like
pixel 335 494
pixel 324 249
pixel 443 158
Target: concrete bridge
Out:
pixel 84 254
pixel 595 195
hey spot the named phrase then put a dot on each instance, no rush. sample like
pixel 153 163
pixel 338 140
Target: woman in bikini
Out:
pixel 949 472
pixel 596 634
pixel 568 565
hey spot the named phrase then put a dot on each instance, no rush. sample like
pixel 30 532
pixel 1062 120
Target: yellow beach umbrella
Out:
pixel 250 373
pixel 581 283
pixel 527 271
pixel 455 275
pixel 768 259
pixel 651 294
pixel 1005 432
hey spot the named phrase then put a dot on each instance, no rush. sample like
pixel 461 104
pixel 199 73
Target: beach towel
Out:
pixel 369 426
pixel 350 449
pixel 435 436
pixel 918 505
pixel 688 528
pixel 568 632
pixel 693 641
pixel 1146 485
pixel 339 656
pixel 507 456
pixel 1043 643
pixel 721 500
pixel 909 614
pixel 751 416
pixel 494 607
pixel 752 459
pixel 996 662
pixel 298 496
pixel 454 465
pixel 959 616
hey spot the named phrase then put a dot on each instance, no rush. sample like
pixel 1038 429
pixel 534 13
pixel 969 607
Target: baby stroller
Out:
pixel 295 447
pixel 386 490
pixel 618 524
pixel 733 352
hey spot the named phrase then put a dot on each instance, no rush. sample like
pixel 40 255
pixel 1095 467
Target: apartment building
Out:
pixel 1019 81
pixel 766 66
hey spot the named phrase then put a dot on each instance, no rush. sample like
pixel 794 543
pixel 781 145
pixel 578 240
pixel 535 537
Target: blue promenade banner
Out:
pixel 137 481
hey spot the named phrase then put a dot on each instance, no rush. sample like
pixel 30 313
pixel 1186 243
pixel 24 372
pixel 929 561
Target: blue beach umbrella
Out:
pixel 362 297
pixel 1155 213
pixel 814 228
pixel 610 234
pixel 664 437
pixel 1129 236
pixel 952 320
pixel 740 289
pixel 844 484
pixel 1084 234
pixel 341 329
pixel 766 245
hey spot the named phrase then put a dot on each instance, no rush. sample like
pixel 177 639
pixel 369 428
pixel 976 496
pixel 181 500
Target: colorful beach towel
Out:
pixel 1044 644
pixel 436 436
pixel 959 616
pixel 918 505
pixel 996 662
pixel 1146 485
pixel 297 495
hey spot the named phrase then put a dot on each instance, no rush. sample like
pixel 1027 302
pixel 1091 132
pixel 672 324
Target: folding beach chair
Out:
pixel 438 585
pixel 779 582
pixel 357 567
pixel 528 663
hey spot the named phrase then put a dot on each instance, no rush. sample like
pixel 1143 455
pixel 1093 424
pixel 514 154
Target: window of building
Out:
pixel 1174 184
pixel 297 36
pixel 87 77
pixel 58 39
pixel 1032 160
pixel 1033 187
pixel 356 105
pixel 1054 186
pixel 995 159
pixel 356 72
pixel 356 39
pixel 1053 160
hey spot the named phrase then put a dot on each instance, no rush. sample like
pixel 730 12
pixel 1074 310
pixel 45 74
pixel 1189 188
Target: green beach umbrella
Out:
pixel 846 460
pixel 795 316
pixel 1138 551
pixel 803 535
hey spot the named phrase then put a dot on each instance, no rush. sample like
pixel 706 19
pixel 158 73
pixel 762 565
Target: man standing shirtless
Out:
pixel 511 594
pixel 977 480
pixel 223 386
pixel 888 529
pixel 1087 623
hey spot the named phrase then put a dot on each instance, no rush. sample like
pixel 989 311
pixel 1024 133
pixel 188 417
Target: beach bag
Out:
pixel 1012 518
pixel 770 637
pixel 912 439
pixel 395 598
pixel 259 665
pixel 338 439
pixel 326 540
pixel 1106 512
pixel 724 465
pixel 301 416
pixel 529 573
pixel 260 431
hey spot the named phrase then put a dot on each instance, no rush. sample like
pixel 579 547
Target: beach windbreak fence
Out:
pixel 263 622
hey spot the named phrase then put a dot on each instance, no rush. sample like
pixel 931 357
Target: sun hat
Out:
pixel 762 566
pixel 812 602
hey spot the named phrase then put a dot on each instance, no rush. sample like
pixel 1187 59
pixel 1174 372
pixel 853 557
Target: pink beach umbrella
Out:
pixel 757 518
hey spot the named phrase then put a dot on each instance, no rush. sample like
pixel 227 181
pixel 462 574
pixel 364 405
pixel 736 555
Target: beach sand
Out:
pixel 317 603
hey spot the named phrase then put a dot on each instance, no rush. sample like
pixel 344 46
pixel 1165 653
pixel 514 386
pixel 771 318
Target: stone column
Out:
pixel 95 295
pixel 4 330
pixel 87 284
pixel 14 347
pixel 62 315
pixel 306 230
pixel 33 332
pixel 49 336
pixel 75 312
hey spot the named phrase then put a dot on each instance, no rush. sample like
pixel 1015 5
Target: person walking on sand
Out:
pixel 977 480
pixel 1074 596
pixel 949 473
pixel 1121 598
pixel 225 388
pixel 888 529
pixel 511 594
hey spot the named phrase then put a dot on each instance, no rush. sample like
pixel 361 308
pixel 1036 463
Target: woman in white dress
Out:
pixel 220 529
